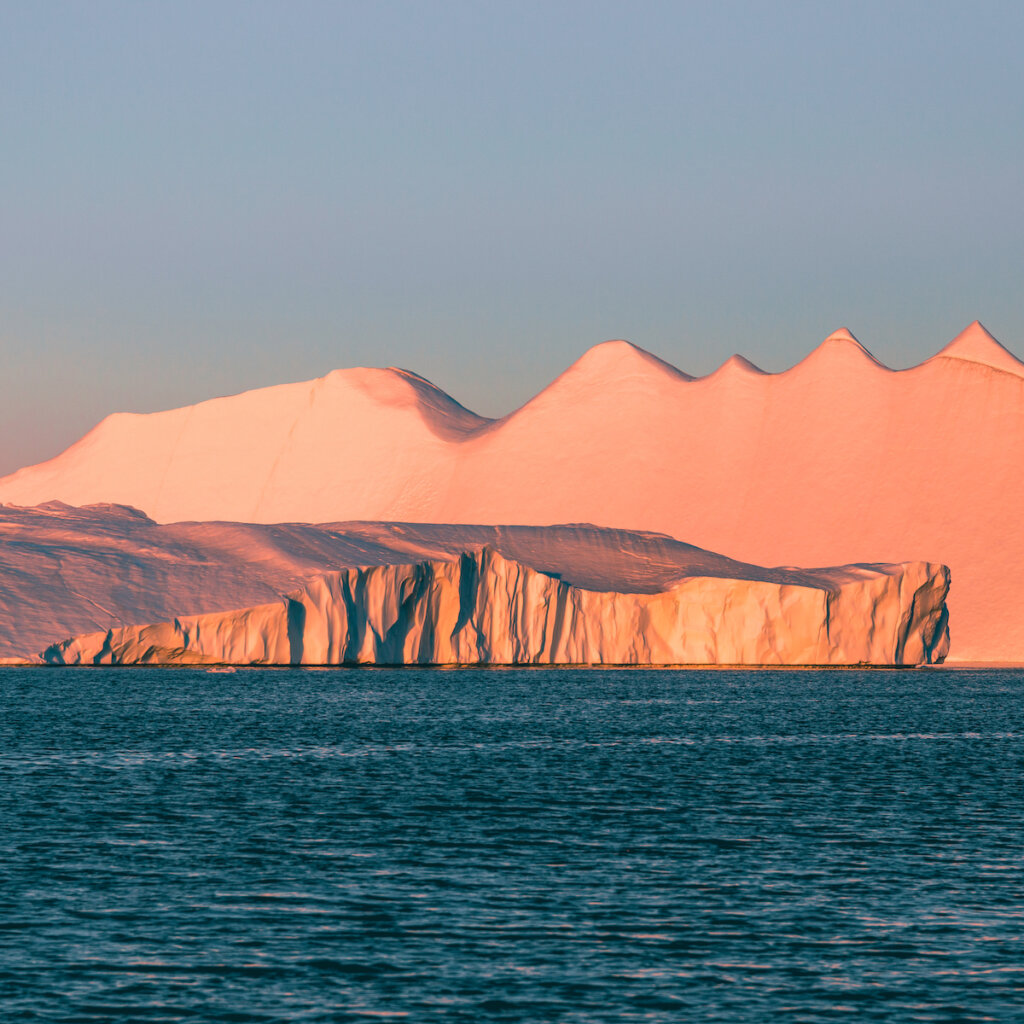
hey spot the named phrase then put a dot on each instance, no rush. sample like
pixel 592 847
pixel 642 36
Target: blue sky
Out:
pixel 200 198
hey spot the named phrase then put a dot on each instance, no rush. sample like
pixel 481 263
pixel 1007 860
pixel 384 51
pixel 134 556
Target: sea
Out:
pixel 580 845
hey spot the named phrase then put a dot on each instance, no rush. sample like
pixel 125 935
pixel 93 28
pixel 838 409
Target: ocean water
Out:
pixel 352 845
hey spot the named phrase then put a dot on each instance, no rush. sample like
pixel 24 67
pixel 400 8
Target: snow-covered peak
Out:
pixel 974 344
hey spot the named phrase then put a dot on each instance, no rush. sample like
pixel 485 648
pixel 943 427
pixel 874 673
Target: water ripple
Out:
pixel 511 846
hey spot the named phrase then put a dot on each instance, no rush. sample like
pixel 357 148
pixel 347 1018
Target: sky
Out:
pixel 201 198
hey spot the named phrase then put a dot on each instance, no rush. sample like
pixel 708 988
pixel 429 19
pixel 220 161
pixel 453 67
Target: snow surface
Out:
pixel 837 460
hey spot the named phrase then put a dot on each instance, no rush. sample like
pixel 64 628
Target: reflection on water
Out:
pixel 523 846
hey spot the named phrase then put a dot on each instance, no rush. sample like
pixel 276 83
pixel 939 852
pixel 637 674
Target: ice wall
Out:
pixel 485 608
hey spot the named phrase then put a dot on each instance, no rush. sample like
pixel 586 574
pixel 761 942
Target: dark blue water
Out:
pixel 520 846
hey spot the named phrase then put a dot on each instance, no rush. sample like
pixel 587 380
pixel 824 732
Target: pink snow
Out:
pixel 837 460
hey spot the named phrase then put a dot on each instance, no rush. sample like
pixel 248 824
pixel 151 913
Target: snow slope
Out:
pixel 837 460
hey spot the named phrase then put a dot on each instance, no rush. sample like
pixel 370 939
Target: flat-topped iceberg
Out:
pixel 485 608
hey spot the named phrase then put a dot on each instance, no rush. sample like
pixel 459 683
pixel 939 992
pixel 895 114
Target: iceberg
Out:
pixel 836 460
pixel 483 608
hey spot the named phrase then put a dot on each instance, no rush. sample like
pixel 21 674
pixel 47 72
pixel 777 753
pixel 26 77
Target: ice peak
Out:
pixel 739 364
pixel 617 350
pixel 974 344
pixel 844 334
pixel 611 359
pixel 841 344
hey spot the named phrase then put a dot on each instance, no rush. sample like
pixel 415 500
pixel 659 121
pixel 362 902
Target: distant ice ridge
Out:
pixel 837 460
pixel 485 608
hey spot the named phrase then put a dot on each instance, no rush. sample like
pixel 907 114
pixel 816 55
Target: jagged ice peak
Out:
pixel 974 344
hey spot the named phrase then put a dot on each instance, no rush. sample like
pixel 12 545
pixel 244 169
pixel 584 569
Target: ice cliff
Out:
pixel 482 607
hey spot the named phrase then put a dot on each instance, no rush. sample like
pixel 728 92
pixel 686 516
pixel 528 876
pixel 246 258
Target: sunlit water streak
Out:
pixel 523 846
